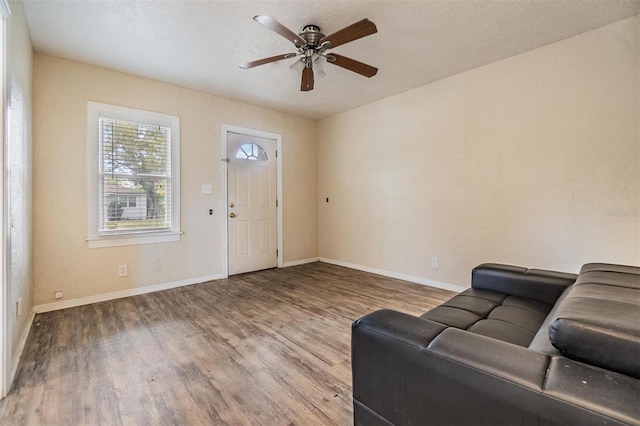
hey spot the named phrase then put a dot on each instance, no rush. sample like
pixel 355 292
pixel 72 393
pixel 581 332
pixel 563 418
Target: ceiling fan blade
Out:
pixel 352 65
pixel 352 32
pixel 307 79
pixel 276 26
pixel 267 60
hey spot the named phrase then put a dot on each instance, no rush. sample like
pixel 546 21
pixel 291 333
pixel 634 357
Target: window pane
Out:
pixel 149 208
pixel 135 163
pixel 131 148
pixel 251 151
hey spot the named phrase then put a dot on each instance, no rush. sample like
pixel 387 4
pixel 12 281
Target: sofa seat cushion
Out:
pixel 453 317
pixel 527 305
pixel 508 318
pixel 474 301
pixel 504 331
pixel 519 317
pixel 598 320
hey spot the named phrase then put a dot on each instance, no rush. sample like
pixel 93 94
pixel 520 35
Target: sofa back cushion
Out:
pixel 598 322
pixel 536 284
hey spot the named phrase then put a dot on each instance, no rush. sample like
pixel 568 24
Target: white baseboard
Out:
pixel 300 262
pixel 397 275
pixel 54 306
pixel 17 353
pixel 71 303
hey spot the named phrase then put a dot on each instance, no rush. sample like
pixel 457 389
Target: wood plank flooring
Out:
pixel 265 348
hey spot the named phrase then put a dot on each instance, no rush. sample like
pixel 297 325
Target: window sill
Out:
pixel 132 239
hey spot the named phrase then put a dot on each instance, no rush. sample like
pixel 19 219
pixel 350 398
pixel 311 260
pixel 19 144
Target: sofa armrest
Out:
pixel 403 327
pixel 450 376
pixel 543 286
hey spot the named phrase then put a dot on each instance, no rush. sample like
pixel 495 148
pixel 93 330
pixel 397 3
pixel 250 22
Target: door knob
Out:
pixel 232 205
pixel 232 214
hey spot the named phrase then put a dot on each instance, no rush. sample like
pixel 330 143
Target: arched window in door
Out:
pixel 251 151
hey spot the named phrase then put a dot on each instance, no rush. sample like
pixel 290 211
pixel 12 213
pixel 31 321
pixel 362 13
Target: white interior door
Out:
pixel 251 210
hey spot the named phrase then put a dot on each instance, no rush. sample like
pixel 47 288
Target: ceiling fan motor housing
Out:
pixel 312 35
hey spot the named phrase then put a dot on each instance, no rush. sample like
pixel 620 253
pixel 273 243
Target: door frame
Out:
pixel 6 357
pixel 225 130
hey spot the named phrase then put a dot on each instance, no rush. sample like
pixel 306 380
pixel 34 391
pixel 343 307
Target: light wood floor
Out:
pixel 266 348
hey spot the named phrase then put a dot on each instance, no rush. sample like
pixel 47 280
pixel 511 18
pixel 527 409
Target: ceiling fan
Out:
pixel 312 45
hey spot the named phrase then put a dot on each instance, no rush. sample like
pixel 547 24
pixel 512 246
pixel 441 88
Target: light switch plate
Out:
pixel 207 188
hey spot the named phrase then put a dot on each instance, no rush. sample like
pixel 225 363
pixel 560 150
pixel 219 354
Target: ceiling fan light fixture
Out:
pixel 297 66
pixel 318 66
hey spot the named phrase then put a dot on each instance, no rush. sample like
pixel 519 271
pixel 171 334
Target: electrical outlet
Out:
pixel 123 271
pixel 435 263
pixel 57 295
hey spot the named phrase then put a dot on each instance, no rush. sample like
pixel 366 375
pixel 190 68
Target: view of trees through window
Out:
pixel 135 175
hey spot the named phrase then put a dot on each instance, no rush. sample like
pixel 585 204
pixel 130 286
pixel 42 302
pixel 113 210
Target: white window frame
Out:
pixel 95 111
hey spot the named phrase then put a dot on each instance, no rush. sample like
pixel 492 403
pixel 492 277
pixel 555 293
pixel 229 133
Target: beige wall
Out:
pixel 63 262
pixel 533 161
pixel 19 170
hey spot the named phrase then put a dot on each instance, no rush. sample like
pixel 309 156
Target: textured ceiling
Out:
pixel 199 44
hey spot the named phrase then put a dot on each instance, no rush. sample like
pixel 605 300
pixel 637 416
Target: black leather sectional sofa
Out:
pixel 521 347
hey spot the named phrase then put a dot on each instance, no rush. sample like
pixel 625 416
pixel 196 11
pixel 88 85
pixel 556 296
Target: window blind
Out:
pixel 135 177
